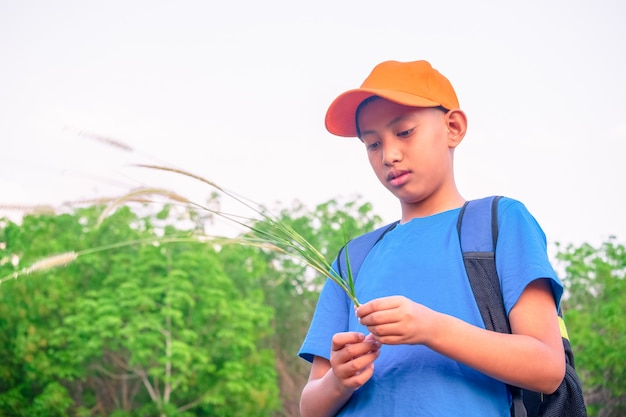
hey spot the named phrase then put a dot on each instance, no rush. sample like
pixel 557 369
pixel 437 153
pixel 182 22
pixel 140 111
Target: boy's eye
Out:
pixel 404 133
pixel 372 146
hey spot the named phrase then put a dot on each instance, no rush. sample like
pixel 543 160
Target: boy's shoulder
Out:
pixel 509 202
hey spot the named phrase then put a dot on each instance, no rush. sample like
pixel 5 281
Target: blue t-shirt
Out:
pixel 421 260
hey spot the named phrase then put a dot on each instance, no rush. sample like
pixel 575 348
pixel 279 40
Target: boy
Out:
pixel 417 345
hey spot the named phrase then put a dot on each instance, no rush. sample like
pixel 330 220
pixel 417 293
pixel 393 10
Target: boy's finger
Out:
pixel 342 339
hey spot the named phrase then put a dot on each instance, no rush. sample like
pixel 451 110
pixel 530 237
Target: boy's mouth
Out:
pixel 397 177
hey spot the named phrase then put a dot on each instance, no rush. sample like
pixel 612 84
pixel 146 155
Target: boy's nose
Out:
pixel 391 153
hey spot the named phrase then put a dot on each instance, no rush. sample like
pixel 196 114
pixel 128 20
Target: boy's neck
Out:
pixel 431 206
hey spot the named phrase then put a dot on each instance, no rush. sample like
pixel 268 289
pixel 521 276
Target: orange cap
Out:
pixel 415 84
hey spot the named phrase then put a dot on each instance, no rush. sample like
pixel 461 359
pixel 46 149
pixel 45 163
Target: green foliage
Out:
pixel 594 311
pixel 144 329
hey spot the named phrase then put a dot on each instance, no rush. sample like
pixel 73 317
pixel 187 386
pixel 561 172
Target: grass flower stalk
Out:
pixel 272 233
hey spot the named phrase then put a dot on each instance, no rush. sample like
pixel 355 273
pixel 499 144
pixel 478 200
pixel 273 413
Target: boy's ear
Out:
pixel 456 122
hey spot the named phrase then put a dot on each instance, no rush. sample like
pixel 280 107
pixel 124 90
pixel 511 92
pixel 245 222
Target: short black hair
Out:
pixel 358 111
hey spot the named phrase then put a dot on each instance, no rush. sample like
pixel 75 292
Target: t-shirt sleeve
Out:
pixel 521 253
pixel 330 317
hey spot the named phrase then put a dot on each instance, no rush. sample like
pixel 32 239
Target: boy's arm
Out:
pixel 532 357
pixel 332 382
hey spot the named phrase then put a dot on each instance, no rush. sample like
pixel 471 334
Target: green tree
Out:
pixel 144 329
pixel 595 308
pixel 32 382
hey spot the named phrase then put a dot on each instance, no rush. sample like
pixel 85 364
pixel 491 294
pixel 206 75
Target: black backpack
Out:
pixel 478 233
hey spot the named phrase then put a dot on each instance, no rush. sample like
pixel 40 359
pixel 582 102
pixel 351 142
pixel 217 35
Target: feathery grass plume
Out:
pixel 50 262
pixel 106 140
pixel 63 259
pixel 272 233
pixel 35 209
pixel 137 196
pixel 100 201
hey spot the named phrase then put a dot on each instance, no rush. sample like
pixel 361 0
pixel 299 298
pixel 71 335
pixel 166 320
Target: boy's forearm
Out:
pixel 512 358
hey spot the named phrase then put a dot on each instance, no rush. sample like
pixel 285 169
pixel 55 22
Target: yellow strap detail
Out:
pixel 563 328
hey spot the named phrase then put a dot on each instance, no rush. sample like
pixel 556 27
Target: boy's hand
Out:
pixel 398 320
pixel 352 358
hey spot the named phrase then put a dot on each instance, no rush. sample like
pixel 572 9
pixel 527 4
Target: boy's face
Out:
pixel 409 149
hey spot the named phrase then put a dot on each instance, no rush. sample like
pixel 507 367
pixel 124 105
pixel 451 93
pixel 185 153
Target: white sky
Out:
pixel 237 91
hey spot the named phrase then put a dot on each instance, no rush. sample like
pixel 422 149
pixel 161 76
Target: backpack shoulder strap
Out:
pixel 477 227
pixel 478 233
pixel 359 247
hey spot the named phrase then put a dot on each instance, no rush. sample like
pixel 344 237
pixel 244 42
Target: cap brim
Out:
pixel 341 115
